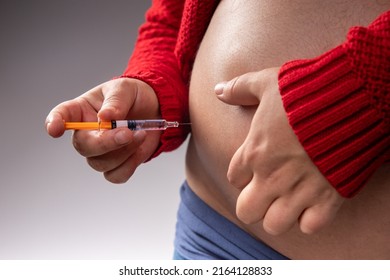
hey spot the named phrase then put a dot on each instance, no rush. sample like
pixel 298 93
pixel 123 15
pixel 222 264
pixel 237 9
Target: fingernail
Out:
pixel 218 89
pixel 49 120
pixel 106 112
pixel 121 137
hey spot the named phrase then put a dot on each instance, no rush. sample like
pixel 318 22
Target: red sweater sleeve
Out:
pixel 163 57
pixel 154 62
pixel 339 106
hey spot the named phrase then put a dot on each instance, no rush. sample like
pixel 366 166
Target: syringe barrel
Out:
pixel 157 124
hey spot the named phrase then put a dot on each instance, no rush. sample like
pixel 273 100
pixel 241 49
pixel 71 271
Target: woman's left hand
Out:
pixel 278 181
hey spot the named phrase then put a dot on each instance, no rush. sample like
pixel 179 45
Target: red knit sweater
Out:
pixel 338 103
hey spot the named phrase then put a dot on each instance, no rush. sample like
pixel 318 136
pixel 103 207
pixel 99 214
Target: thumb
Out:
pixel 243 90
pixel 118 99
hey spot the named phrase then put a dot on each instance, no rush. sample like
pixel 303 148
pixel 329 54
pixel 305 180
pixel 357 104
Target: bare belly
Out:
pixel 251 35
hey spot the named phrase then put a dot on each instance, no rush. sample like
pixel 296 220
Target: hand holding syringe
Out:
pixel 116 153
pixel 155 124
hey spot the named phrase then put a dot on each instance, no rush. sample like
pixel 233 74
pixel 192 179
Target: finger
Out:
pixel 319 216
pixel 55 125
pixel 66 111
pixel 239 173
pixel 282 215
pixel 119 96
pixel 243 90
pixel 253 202
pixel 95 143
pixel 113 159
pixel 123 172
pixel 304 204
pixel 293 197
pixel 82 108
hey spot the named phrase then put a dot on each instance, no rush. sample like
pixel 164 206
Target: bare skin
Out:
pixel 242 40
pixel 250 38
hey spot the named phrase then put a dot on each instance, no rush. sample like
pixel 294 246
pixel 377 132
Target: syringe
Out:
pixel 156 124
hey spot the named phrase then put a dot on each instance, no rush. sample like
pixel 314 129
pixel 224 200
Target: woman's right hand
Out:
pixel 118 152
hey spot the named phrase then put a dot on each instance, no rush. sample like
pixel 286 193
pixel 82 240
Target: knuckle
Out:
pixel 97 164
pixel 246 211
pixel 275 226
pixel 233 86
pixel 123 84
pixel 272 229
pixel 123 172
pixel 307 229
pixel 278 221
pixel 248 155
pixel 78 144
pixel 115 179
pixel 104 142
pixel 88 145
pixel 311 226
pixel 117 176
pixel 233 179
pixel 246 217
pixel 254 82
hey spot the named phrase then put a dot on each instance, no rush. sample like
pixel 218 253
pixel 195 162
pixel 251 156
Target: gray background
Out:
pixel 52 205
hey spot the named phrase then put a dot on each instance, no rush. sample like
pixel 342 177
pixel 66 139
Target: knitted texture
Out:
pixel 164 54
pixel 338 105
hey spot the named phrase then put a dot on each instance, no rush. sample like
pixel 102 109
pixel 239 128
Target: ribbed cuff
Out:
pixel 331 112
pixel 172 108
